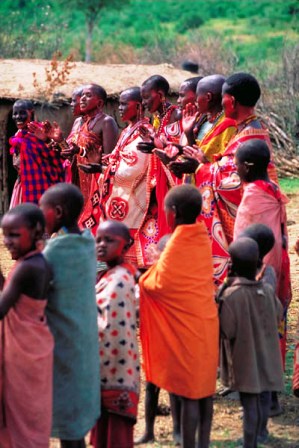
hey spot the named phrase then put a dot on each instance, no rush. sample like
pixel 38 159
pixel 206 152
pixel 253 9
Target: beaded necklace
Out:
pixel 242 125
pixel 160 121
pixel 215 121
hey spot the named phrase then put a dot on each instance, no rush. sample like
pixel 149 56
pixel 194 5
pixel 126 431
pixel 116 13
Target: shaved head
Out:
pixel 244 253
pixel 263 236
pixel 133 93
pixel 212 83
pixel 116 228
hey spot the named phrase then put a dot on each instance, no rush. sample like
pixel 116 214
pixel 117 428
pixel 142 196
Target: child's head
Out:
pixel 244 253
pixel 61 204
pixel 182 205
pixel 263 236
pixel 23 226
pixel 113 240
pixel 252 160
pixel 22 113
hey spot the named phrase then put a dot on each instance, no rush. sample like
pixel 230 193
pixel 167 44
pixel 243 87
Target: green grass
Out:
pixel 289 186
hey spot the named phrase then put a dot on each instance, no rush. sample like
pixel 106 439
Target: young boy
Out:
pixel 264 237
pixel 178 316
pixel 249 316
pixel 72 316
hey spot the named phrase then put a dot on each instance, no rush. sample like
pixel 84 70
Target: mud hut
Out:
pixel 50 84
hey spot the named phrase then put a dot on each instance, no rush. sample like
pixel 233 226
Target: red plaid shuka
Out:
pixel 40 166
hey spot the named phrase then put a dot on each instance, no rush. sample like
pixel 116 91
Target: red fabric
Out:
pixel 112 431
pixel 40 165
pixel 165 178
pixel 264 203
pixel 221 189
pixel 86 136
pixel 296 371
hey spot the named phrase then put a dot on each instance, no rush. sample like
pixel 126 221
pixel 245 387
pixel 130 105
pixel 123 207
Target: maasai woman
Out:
pixel 124 190
pixel 38 165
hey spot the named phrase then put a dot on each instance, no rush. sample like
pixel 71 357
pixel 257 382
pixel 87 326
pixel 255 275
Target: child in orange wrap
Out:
pixel 178 316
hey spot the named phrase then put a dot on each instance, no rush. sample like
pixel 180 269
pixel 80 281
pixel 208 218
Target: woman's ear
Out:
pixel 59 211
pixel 209 96
pixel 101 103
pixel 162 95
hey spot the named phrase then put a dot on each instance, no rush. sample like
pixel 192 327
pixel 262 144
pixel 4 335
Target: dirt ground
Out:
pixel 227 423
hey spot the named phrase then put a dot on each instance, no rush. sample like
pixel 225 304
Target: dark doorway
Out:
pixel 11 171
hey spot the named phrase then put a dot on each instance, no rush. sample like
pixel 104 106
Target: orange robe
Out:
pixel 178 316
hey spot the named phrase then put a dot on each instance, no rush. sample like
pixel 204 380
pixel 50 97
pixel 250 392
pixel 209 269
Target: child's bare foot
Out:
pixel 146 438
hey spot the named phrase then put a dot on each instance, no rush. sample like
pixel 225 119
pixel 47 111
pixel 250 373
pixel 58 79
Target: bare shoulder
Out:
pixel 34 274
pixel 34 266
pixel 108 121
pixel 104 122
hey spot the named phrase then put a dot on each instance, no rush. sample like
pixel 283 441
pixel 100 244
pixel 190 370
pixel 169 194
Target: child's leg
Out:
pixel 72 443
pixel 189 421
pixel 205 421
pixel 265 401
pixel 151 403
pixel 251 418
pixel 175 407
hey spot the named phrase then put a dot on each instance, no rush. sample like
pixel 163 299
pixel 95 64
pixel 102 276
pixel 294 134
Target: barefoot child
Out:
pixel 26 342
pixel 249 316
pixel 115 294
pixel 178 316
pixel 71 313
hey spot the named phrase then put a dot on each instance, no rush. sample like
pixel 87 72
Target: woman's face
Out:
pixel 151 99
pixel 21 116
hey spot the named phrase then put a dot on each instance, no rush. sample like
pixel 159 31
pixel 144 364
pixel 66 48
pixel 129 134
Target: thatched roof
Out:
pixel 17 77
